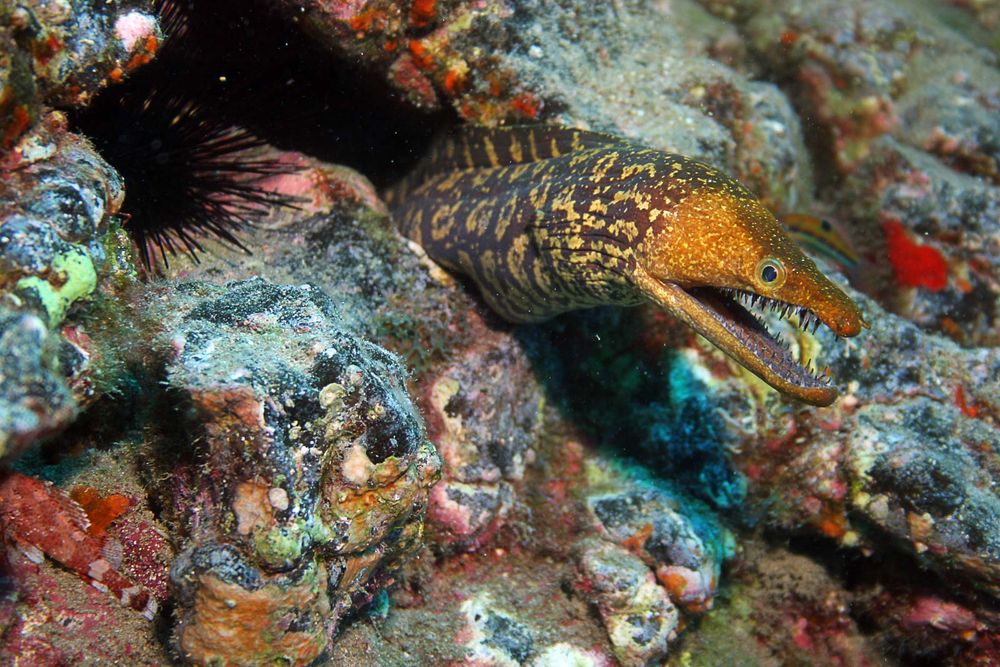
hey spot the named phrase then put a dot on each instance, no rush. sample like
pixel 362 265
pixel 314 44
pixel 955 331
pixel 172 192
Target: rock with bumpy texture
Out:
pixel 637 612
pixel 484 416
pixel 585 63
pixel 61 53
pixel 906 107
pixel 57 248
pixel 684 545
pixel 941 238
pixel 309 484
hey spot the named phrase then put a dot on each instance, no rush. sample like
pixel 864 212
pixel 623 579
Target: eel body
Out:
pixel 546 220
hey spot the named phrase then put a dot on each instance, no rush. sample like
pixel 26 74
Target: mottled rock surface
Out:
pixel 62 53
pixel 638 614
pixel 319 463
pixel 58 245
pixel 485 416
pixel 904 105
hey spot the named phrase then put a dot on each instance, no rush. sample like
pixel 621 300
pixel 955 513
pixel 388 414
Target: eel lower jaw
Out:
pixel 718 315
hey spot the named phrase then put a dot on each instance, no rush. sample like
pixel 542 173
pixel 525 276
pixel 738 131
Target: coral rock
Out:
pixel 954 217
pixel 238 617
pixel 484 415
pixel 637 612
pixel 63 53
pixel 649 521
pixel 493 635
pixel 316 471
pixel 56 196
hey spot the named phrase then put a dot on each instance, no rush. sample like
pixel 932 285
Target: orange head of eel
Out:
pixel 717 256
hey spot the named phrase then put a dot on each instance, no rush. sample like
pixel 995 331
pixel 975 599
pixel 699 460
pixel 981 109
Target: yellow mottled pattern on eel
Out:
pixel 545 220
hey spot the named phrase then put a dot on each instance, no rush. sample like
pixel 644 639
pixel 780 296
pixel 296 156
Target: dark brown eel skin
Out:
pixel 546 220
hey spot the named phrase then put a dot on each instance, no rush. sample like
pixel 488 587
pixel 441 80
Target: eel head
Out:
pixel 718 260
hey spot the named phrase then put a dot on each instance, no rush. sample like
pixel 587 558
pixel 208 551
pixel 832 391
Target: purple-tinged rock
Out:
pixel 640 618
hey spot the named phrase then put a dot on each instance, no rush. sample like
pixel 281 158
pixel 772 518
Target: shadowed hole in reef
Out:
pixel 883 587
pixel 242 65
pixel 638 398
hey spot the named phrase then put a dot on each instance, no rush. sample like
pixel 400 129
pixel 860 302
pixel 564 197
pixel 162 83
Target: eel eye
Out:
pixel 770 272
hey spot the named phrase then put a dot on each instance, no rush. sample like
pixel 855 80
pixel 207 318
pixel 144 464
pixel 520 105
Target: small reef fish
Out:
pixel 824 238
pixel 41 521
pixel 547 220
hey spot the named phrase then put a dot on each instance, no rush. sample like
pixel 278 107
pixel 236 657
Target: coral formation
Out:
pixel 905 106
pixel 57 199
pixel 638 614
pixel 484 416
pixel 321 468
pixel 954 216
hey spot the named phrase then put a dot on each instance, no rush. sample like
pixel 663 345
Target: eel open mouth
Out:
pixel 741 313
pixel 733 321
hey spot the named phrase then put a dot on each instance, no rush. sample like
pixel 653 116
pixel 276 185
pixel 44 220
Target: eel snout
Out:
pixel 733 320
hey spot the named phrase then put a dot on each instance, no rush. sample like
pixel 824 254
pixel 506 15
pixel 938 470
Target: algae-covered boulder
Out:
pixel 59 244
pixel 304 482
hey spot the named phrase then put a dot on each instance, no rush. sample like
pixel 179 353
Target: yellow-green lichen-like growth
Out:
pixel 547 220
pixel 71 277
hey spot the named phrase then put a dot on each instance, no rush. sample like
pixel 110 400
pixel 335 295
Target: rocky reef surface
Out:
pixel 324 449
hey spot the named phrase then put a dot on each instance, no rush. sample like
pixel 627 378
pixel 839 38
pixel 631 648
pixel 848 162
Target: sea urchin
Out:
pixel 188 173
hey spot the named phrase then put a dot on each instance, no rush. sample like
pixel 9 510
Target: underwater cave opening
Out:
pixel 188 129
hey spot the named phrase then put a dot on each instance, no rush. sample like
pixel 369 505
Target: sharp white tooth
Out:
pixel 815 323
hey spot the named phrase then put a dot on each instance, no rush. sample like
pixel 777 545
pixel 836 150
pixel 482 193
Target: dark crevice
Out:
pixel 880 587
pixel 246 66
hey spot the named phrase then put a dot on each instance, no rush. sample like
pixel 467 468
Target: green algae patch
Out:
pixel 285 544
pixel 281 545
pixel 78 278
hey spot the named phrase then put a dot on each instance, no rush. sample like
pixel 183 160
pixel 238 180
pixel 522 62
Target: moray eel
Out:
pixel 547 220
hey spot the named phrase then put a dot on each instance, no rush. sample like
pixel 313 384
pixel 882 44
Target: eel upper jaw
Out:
pixel 717 315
